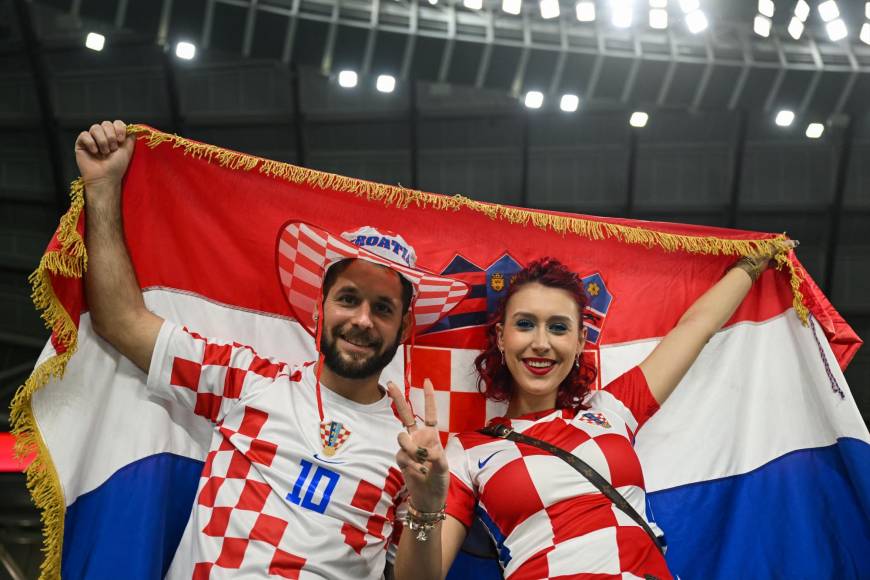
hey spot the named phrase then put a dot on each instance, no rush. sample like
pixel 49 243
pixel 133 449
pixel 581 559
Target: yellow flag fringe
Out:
pixel 401 198
pixel 71 262
pixel 42 480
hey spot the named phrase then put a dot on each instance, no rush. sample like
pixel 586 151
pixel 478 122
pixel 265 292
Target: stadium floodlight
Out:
pixel 867 10
pixel 696 21
pixel 795 27
pixel 829 10
pixel 433 2
pixel 549 9
pixel 512 6
pixel 766 7
pixel 865 33
pixel 658 3
pixel 836 30
pixel 802 10
pixel 638 119
pixel 658 18
pixel 761 25
pixel 386 83
pixel 347 79
pixel 586 11
pixel 95 41
pixel 688 6
pixel 621 13
pixel 185 50
pixel 784 118
pixel 473 4
pixel 569 103
pixel 815 130
pixel 534 99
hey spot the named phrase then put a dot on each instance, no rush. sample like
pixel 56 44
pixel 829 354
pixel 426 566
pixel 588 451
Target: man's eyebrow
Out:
pixel 389 299
pixel 351 288
pixel 347 287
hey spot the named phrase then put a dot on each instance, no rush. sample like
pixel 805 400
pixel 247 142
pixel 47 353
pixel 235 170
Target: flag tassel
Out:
pixel 401 198
pixel 70 261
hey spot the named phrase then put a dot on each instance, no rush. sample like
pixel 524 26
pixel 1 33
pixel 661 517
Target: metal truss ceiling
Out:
pixel 728 45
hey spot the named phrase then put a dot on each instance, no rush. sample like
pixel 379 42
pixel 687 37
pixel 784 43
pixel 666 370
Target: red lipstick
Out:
pixel 539 366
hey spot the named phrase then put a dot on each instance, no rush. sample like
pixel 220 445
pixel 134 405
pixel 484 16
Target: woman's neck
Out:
pixel 524 403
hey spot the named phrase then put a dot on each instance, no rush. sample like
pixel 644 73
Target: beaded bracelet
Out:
pixel 423 522
pixel 749 266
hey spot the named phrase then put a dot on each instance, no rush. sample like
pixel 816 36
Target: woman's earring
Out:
pixel 577 361
pixel 502 355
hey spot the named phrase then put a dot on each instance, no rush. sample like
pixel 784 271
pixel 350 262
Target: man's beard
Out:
pixel 356 368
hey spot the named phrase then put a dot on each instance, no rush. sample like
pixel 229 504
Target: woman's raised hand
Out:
pixel 761 263
pixel 421 456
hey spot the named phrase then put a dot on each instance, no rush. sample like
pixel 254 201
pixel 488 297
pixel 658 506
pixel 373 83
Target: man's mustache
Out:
pixel 361 338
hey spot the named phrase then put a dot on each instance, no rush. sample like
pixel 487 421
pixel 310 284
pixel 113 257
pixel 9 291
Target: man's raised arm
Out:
pixel 118 312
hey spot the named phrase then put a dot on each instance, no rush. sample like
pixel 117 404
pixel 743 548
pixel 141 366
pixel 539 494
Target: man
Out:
pixel 300 480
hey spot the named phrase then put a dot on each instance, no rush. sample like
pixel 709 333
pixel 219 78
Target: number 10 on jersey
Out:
pixel 304 490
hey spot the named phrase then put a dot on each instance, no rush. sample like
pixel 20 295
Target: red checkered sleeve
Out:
pixel 460 495
pixel 630 398
pixel 208 376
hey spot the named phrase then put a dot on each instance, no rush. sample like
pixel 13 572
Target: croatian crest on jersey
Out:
pixel 332 435
pixel 597 419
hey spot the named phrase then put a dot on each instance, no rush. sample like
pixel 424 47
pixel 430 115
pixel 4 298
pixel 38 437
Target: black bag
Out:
pixel 479 542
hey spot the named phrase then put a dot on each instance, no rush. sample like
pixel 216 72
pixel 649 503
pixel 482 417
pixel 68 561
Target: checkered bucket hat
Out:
pixel 306 252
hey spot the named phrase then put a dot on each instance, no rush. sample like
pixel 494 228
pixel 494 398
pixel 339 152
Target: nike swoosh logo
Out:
pixel 318 458
pixel 482 462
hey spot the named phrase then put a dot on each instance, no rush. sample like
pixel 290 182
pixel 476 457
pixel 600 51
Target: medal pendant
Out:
pixel 332 435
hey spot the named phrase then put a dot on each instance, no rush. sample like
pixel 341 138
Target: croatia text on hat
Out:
pixel 384 242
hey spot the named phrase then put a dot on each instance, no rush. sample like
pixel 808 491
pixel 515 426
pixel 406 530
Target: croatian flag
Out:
pixel 758 466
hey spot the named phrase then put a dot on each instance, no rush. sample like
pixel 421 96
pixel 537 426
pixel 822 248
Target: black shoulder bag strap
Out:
pixel 595 478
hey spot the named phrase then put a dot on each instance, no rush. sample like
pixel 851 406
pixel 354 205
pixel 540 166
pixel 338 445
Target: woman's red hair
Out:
pixel 494 379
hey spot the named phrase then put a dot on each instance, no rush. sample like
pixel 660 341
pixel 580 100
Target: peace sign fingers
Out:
pixel 430 408
pixel 403 408
pixel 421 457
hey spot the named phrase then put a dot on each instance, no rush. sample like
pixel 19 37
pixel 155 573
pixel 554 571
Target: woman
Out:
pixel 548 520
